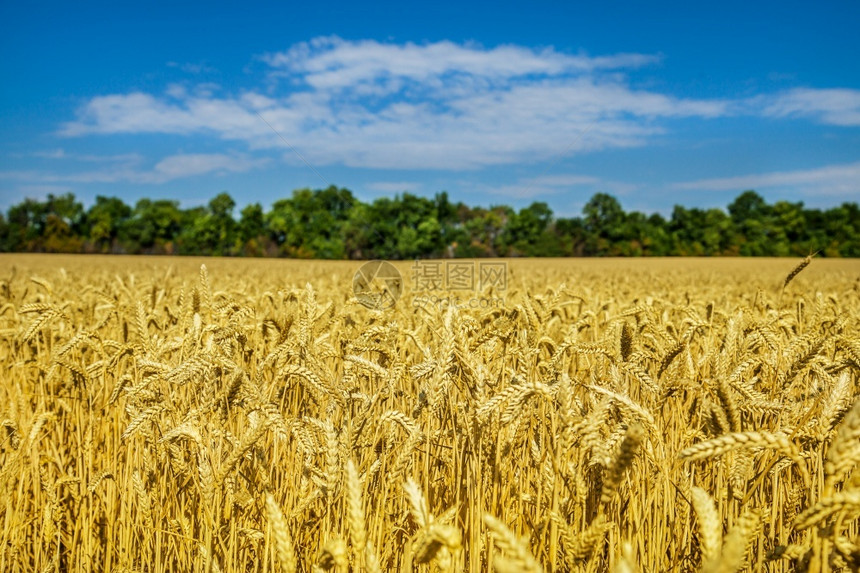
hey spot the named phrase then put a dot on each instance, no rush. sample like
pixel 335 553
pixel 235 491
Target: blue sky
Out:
pixel 495 102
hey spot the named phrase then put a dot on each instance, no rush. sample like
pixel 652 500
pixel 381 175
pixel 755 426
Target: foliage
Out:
pixel 333 224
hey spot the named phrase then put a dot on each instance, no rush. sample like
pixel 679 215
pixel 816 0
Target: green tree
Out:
pixel 210 230
pixel 25 226
pixel 485 230
pixel 308 225
pixel 643 236
pixel 64 224
pixel 658 241
pixel 400 228
pixel 54 225
pixel 604 224
pixel 698 232
pixel 153 227
pixel 528 232
pixel 752 220
pixel 841 227
pixel 104 220
pixel 570 233
pixel 252 230
pixel 5 231
pixel 357 232
pixel 448 215
pixel 332 223
pixel 788 229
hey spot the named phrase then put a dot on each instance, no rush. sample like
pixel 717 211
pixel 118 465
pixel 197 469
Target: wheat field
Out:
pixel 171 414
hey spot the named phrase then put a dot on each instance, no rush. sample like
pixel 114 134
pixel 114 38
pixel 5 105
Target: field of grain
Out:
pixel 250 415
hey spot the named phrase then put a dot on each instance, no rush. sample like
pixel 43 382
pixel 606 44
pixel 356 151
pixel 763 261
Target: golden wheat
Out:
pixel 660 415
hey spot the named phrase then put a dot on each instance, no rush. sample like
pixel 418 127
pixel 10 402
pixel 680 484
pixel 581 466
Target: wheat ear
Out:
pixel 283 541
pixel 518 557
pixel 796 270
pixel 710 526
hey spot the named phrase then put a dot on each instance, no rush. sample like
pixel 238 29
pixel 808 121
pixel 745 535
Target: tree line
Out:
pixel 333 224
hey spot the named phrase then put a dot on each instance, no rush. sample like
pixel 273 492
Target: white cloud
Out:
pixel 168 169
pixel 61 153
pixel 544 186
pixel 394 186
pixel 332 63
pixel 176 91
pixel 565 180
pixel 444 106
pixel 192 68
pixel 58 153
pixel 433 106
pixel 187 165
pixel 143 113
pixel 830 106
pixel 14 194
pixel 42 190
pixel 115 158
pixel 830 180
pixel 522 123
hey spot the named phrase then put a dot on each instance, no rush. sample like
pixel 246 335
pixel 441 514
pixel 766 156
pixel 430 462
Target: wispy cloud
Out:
pixel 830 106
pixel 193 68
pixel 60 153
pixel 545 186
pixel 331 63
pixel 12 193
pixel 831 180
pixel 187 165
pixel 395 186
pixel 133 171
pixel 569 180
pixel 41 190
